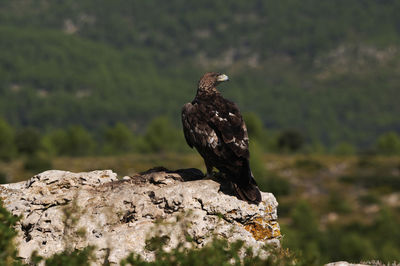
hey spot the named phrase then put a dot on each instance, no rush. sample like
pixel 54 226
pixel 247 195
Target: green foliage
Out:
pixel 370 198
pixel 316 147
pixel 355 247
pixel 161 136
pixel 354 242
pixel 303 235
pixel 321 72
pixel 118 139
pixel 304 220
pixel 27 141
pixel 256 160
pixel 38 162
pixel 338 203
pixel 387 231
pixel 277 185
pixel 216 252
pixel 71 258
pixel 308 164
pixel 74 141
pixel 389 144
pixel 7 146
pixel 290 141
pixel 3 178
pixel 386 183
pixel 55 142
pixel 80 141
pixel 344 148
pixel 266 181
pixel 8 252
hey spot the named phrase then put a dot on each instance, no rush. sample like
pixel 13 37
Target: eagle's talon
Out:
pixel 208 176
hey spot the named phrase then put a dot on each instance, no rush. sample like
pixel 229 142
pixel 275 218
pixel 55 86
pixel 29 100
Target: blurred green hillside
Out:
pixel 327 68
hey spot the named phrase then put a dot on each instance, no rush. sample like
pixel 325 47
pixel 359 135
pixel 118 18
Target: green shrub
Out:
pixel 217 252
pixel 309 164
pixel 290 140
pixel 7 146
pixel 355 247
pixel 256 160
pixel 338 203
pixel 37 162
pixel 389 144
pixel 27 141
pixel 118 139
pixel 344 148
pixel 365 161
pixel 369 198
pixel 303 236
pixel 74 141
pixel 274 184
pixel 316 147
pixel 8 252
pixel 387 183
pixel 3 178
pixel 161 136
pixel 71 258
pixel 266 181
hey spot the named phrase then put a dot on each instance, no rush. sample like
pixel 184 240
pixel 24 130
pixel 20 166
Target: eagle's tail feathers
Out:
pixel 248 192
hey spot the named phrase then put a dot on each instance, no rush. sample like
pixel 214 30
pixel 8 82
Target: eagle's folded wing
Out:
pixel 187 115
pixel 230 126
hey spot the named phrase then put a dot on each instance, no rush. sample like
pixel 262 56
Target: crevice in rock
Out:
pixel 129 216
pixel 97 233
pixel 52 182
pixel 220 215
pixel 107 256
pixel 48 206
pixel 152 197
pixel 27 229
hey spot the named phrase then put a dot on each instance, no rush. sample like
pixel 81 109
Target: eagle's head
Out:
pixel 210 80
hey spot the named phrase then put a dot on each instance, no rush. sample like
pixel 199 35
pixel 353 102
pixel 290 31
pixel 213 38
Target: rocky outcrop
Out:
pixel 345 263
pixel 62 210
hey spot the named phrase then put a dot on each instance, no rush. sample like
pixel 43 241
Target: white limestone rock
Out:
pixel 62 209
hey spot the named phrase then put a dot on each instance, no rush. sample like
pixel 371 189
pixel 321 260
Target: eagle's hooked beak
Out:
pixel 222 78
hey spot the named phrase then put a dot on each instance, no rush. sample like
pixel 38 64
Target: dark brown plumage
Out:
pixel 214 126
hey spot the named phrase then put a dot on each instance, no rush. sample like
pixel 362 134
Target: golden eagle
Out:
pixel 214 126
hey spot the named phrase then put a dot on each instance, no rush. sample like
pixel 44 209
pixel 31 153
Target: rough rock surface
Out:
pixel 73 210
pixel 344 263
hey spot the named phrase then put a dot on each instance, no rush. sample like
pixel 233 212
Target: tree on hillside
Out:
pixel 388 144
pixel 7 146
pixel 27 141
pixel 74 141
pixel 290 140
pixel 118 139
pixel 161 136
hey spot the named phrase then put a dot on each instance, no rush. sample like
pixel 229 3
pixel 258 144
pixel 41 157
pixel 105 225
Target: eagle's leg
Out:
pixel 209 167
